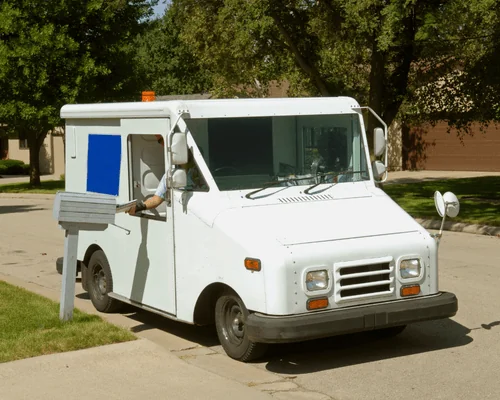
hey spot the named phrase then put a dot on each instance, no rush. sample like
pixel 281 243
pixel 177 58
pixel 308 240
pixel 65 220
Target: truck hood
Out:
pixel 319 221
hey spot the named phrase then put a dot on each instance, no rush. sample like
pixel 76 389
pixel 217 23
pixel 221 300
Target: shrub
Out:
pixel 13 167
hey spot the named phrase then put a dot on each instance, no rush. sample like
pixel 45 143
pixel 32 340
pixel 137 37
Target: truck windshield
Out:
pixel 251 153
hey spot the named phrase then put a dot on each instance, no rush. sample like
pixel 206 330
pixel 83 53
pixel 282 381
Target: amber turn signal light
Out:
pixel 410 290
pixel 316 304
pixel 252 264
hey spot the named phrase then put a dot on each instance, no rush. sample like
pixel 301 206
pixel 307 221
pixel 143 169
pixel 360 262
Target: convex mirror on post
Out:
pixel 447 205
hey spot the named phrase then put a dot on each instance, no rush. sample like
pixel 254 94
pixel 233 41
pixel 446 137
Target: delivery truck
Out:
pixel 285 234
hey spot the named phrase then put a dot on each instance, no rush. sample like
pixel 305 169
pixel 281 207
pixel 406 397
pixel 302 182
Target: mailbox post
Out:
pixel 76 212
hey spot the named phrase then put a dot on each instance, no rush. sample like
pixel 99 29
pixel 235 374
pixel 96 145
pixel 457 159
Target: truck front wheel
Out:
pixel 230 317
pixel 100 283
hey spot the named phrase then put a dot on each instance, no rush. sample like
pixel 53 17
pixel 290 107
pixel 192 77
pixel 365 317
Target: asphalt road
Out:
pixel 457 358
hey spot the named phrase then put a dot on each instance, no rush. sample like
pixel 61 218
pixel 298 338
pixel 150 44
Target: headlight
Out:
pixel 317 280
pixel 410 268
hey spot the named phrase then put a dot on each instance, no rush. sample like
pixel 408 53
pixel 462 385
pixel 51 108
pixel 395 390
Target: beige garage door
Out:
pixel 433 148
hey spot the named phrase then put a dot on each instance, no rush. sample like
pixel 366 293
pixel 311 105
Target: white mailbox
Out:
pixel 85 211
pixel 75 212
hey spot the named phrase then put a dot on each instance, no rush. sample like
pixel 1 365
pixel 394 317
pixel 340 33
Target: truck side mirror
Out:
pixel 379 170
pixel 179 148
pixel 179 178
pixel 378 142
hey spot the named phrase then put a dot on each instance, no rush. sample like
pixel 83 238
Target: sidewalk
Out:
pixel 132 370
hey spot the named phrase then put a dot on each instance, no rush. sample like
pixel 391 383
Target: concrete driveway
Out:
pixel 458 358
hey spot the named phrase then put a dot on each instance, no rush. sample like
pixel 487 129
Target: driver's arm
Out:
pixel 154 201
pixel 150 203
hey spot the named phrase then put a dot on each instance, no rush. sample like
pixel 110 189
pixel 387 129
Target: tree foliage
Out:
pixel 414 58
pixel 165 64
pixel 463 84
pixel 63 51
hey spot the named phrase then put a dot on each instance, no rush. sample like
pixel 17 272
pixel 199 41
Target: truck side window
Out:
pixel 146 168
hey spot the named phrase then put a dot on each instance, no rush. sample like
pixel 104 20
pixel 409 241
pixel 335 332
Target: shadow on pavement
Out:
pixel 83 296
pixel 203 335
pixel 342 351
pixel 19 209
pixel 490 325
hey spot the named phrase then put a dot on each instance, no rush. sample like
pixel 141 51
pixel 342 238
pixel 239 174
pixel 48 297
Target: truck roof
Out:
pixel 213 108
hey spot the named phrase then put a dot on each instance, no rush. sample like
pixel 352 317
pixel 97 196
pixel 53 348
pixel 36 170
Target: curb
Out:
pixel 460 227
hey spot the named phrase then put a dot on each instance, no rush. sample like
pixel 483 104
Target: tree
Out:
pixel 467 89
pixel 382 52
pixel 63 51
pixel 165 64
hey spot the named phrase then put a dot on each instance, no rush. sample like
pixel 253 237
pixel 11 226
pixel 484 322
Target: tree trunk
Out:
pixel 35 144
pixel 308 68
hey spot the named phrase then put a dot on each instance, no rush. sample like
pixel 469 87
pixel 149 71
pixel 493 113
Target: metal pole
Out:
pixel 69 275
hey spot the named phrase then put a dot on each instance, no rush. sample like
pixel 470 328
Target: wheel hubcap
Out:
pixel 237 325
pixel 234 327
pixel 99 281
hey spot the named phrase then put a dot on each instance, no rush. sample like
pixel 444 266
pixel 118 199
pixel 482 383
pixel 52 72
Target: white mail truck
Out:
pixel 277 232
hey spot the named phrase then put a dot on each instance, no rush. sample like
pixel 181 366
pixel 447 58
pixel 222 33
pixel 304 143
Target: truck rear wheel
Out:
pixel 100 283
pixel 230 317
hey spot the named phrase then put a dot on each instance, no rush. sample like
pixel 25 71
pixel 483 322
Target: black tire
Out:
pixel 100 283
pixel 230 317
pixel 84 278
pixel 390 332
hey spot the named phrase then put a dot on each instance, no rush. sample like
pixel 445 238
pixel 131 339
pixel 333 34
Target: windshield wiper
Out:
pixel 275 183
pixel 306 191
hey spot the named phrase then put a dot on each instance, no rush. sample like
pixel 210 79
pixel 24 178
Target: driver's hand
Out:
pixel 131 210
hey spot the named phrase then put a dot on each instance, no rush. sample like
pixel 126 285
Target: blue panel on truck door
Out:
pixel 103 164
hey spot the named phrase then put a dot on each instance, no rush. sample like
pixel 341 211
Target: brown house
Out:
pixel 51 152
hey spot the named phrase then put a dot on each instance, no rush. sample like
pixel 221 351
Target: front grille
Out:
pixel 359 281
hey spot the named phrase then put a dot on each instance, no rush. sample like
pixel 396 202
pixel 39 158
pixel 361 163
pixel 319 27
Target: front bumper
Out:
pixel 277 329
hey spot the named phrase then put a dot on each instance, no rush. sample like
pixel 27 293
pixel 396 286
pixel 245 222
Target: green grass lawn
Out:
pixel 48 187
pixel 30 326
pixel 479 198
